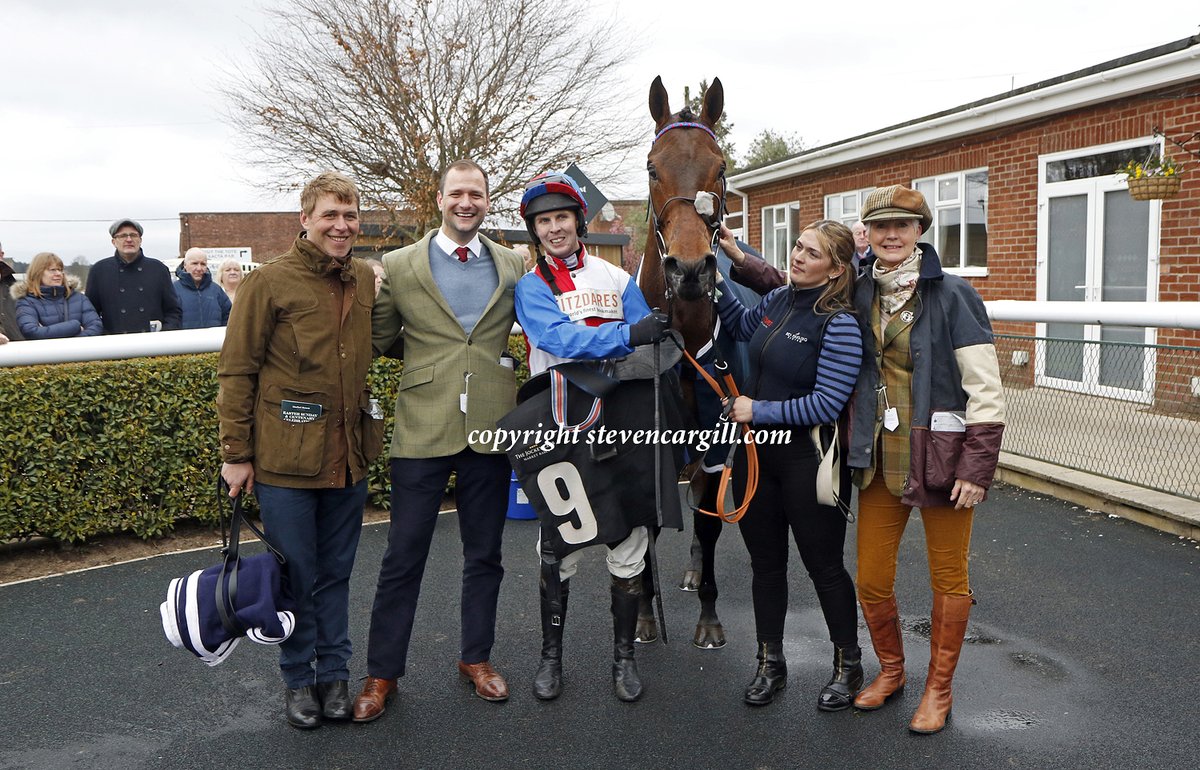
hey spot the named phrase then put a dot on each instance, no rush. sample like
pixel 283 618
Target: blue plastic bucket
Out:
pixel 518 503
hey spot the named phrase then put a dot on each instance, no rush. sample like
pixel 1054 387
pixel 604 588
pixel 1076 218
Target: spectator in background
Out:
pixel 862 246
pixel 526 255
pixel 377 266
pixel 129 290
pixel 229 277
pixel 203 302
pixel 49 305
pixel 8 306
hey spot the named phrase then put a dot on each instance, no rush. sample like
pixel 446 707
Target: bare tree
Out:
pixel 391 91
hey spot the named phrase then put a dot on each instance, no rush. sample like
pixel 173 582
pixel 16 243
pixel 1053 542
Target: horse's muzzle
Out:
pixel 691 279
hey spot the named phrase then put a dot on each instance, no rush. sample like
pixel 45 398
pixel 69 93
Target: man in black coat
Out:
pixel 8 306
pixel 129 290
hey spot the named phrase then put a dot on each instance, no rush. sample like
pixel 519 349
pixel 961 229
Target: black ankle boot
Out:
pixel 302 708
pixel 626 592
pixel 547 682
pixel 771 676
pixel 847 680
pixel 335 699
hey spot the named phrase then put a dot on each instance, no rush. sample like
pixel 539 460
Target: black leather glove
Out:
pixel 652 328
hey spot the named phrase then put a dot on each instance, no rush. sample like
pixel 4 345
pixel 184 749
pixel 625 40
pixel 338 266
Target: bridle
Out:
pixel 711 212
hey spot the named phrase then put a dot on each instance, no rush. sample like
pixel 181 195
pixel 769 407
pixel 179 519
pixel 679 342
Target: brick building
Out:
pixel 1027 203
pixel 267 234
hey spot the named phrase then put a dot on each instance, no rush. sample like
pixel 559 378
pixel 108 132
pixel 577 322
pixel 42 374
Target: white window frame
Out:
pixel 739 232
pixel 959 203
pixel 791 227
pixel 858 197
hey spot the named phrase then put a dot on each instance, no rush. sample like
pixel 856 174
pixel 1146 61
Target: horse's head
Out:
pixel 687 191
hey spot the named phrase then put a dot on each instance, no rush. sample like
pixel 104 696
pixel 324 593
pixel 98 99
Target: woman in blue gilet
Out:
pixel 805 354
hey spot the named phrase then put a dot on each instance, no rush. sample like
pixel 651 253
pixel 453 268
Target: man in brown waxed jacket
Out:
pixel 298 428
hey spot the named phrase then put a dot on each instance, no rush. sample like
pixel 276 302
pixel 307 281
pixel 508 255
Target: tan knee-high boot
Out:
pixel 949 626
pixel 883 621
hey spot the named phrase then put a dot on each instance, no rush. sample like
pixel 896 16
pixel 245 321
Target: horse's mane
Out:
pixel 686 116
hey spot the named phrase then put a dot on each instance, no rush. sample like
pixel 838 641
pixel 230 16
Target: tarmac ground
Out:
pixel 1080 654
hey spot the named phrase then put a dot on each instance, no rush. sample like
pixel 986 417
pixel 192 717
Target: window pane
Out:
pixel 793 224
pixel 976 206
pixel 1088 166
pixel 781 248
pixel 926 188
pixel 850 204
pixel 947 189
pixel 833 207
pixel 949 236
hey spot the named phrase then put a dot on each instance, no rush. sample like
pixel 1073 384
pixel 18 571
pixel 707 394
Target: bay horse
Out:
pixel 686 170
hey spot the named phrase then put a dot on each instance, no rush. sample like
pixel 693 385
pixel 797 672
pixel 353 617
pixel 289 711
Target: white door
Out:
pixel 1095 244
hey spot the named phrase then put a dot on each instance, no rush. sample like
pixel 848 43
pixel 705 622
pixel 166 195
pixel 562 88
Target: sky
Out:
pixel 111 110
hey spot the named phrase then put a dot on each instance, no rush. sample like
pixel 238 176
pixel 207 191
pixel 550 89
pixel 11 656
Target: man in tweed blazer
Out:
pixel 446 308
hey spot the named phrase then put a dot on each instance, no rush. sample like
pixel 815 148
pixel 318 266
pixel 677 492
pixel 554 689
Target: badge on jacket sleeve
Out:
pixel 299 411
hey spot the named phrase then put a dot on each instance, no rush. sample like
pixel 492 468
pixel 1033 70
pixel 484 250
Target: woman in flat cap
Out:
pixel 926 422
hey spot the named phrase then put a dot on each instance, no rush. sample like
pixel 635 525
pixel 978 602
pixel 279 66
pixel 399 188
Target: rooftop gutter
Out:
pixel 1179 64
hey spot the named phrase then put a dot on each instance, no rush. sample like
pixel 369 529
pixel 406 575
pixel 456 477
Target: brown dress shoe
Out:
pixel 488 684
pixel 372 701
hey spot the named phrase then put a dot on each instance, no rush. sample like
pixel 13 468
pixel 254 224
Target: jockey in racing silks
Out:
pixel 572 306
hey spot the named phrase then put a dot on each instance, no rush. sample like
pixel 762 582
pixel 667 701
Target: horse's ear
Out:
pixel 660 104
pixel 714 103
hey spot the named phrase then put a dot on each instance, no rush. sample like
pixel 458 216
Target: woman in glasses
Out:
pixel 49 304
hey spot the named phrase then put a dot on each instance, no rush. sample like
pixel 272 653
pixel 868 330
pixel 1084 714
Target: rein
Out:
pixel 726 389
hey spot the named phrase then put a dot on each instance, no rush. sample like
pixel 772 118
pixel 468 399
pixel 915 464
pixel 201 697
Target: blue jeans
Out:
pixel 317 530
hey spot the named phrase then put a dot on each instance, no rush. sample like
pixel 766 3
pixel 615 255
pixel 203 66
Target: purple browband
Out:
pixel 701 126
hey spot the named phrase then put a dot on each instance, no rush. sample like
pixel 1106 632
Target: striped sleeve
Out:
pixel 837 370
pixel 737 318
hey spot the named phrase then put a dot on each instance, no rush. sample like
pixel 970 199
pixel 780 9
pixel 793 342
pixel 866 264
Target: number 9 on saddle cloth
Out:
pixel 585 448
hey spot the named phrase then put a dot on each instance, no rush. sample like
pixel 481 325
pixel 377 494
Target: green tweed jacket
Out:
pixel 441 361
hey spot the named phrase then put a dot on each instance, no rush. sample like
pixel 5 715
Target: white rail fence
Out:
pixel 1173 315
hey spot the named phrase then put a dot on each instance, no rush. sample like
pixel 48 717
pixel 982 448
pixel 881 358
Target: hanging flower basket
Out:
pixel 1148 188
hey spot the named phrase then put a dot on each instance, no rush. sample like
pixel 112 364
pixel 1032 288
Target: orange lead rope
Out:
pixel 728 389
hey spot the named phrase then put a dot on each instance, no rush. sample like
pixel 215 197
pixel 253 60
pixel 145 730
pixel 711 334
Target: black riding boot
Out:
pixel 547 682
pixel 847 680
pixel 626 592
pixel 770 677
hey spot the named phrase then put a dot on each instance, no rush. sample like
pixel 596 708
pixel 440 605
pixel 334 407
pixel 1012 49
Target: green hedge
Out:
pixel 121 446
pixel 128 446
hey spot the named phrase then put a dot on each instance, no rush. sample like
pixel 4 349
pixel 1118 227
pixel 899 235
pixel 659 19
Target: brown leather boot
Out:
pixel 949 626
pixel 883 621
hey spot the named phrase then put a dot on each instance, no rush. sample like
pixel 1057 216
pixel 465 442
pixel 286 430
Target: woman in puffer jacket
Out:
pixel 50 305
